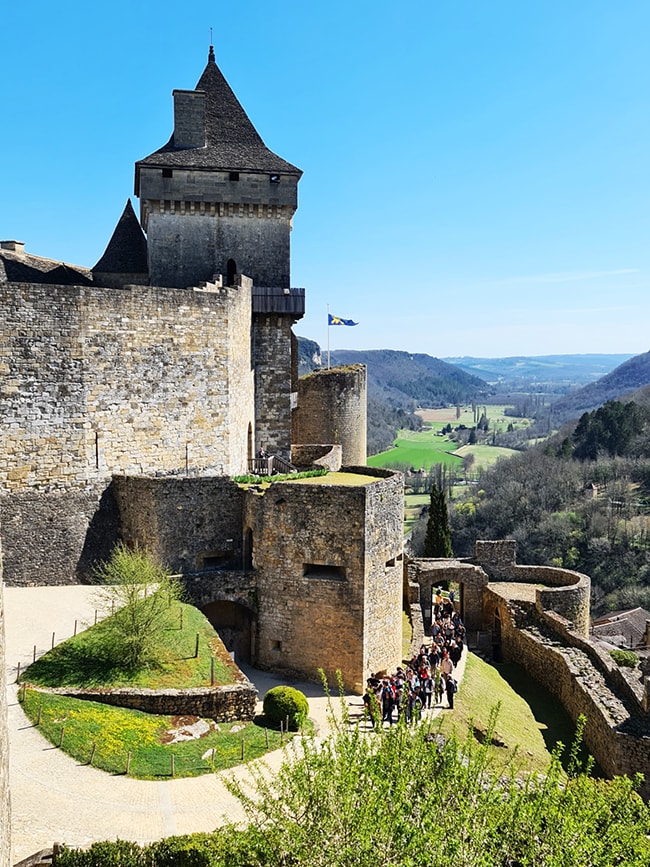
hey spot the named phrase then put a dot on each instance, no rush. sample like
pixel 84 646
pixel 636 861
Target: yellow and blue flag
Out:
pixel 336 320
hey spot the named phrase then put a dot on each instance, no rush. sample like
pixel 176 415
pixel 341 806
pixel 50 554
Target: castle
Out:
pixel 133 392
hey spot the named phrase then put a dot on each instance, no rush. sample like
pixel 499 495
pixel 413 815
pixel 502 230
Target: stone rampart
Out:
pixel 141 379
pixel 616 733
pixel 332 408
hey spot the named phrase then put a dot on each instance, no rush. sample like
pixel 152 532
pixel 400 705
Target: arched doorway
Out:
pixel 234 624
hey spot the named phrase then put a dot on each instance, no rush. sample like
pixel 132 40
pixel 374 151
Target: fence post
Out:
pixel 172 763
pixel 75 627
pixel 128 762
pixel 212 671
pixel 34 658
pixel 242 749
pixel 196 648
pixel 18 672
pixel 53 634
pixel 92 753
pixel 61 737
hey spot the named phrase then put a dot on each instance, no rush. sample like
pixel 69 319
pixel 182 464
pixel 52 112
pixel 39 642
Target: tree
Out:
pixel 437 541
pixel 137 594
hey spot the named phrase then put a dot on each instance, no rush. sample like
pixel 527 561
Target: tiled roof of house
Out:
pixel 126 252
pixel 232 142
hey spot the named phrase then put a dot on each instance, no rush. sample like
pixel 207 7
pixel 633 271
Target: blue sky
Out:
pixel 476 173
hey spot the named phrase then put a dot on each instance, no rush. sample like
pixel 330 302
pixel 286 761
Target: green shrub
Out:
pixel 625 658
pixel 285 701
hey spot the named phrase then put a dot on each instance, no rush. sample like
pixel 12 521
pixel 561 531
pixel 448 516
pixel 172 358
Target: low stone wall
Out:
pixel 308 456
pixel 221 703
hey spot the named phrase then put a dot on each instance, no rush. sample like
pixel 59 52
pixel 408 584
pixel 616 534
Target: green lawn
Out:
pixel 88 729
pixel 485 455
pixel 418 449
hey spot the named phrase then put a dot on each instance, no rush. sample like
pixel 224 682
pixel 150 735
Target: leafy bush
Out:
pixel 284 702
pixel 624 658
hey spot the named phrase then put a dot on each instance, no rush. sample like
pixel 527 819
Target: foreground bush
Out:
pixel 409 797
pixel 284 703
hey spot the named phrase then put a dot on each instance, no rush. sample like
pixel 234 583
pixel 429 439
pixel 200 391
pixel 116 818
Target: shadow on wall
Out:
pixel 101 537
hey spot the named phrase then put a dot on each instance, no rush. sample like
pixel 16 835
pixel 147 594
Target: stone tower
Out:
pixel 216 201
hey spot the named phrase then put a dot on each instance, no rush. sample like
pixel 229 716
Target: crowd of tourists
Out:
pixel 427 681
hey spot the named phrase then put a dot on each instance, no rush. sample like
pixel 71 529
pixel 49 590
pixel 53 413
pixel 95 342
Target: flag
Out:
pixel 336 320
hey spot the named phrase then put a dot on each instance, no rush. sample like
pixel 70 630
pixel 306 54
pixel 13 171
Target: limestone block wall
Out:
pixel 384 571
pixel 55 537
pixel 272 342
pixel 95 381
pixel 6 851
pixel 332 408
pixel 568 595
pixel 190 524
pixel 614 734
pixel 318 552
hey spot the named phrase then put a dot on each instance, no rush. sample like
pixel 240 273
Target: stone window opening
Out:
pixel 233 176
pixel 324 571
pixel 168 173
pixel 231 270
pixel 276 646
pixel 215 560
pixel 390 562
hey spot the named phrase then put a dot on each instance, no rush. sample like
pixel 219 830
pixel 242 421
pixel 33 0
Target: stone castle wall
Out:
pixel 316 562
pixel 135 380
pixel 6 857
pixel 616 731
pixel 272 348
pixel 332 408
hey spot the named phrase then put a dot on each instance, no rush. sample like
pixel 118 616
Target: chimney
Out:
pixel 189 118
pixel 14 246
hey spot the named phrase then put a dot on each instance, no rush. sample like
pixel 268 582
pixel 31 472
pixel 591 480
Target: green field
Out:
pixel 438 418
pixel 417 449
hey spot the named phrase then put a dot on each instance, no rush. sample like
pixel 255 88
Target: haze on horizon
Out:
pixel 476 176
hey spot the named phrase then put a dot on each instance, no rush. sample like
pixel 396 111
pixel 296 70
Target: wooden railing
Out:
pixel 269 465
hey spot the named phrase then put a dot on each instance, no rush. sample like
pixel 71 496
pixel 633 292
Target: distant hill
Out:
pixel 623 381
pixel 406 379
pixel 560 372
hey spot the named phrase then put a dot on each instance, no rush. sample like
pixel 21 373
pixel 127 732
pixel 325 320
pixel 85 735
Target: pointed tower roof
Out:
pixel 231 141
pixel 126 252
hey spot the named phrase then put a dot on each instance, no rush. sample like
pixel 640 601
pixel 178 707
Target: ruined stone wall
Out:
pixel 332 408
pixel 616 734
pixel 96 381
pixel 317 548
pixel 568 594
pixel 272 339
pixel 188 523
pixel 6 851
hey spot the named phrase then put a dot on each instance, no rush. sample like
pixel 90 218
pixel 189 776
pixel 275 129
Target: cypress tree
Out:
pixel 437 541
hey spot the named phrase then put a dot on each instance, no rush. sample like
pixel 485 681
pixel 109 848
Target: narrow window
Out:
pixel 275 179
pixel 231 270
pixel 233 176
pixel 167 173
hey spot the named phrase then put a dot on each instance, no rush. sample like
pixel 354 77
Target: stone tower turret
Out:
pixel 215 199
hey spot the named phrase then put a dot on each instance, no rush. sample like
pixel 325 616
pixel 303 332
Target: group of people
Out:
pixel 428 676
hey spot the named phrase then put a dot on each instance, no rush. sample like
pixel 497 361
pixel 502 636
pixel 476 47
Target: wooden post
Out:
pixel 172 763
pixel 196 648
pixel 75 627
pixel 213 755
pixel 243 748
pixel 128 762
pixel 266 737
pixel 53 634
pixel 95 616
pixel 61 737
pixel 180 612
pixel 92 754
pixel 40 713
pixel 281 733
pixel 212 671
pixel 18 672
pixel 34 659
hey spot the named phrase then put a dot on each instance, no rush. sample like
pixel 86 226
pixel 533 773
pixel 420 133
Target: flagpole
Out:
pixel 328 337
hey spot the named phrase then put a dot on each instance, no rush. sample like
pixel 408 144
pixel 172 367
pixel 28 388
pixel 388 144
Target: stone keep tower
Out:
pixel 215 200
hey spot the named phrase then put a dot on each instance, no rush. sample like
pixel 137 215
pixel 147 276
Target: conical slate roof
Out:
pixel 126 252
pixel 232 142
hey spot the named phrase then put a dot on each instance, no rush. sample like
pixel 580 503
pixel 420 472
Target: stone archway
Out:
pixel 234 623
